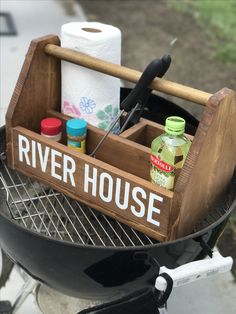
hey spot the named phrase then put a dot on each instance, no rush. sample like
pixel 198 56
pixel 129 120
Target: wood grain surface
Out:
pixel 167 87
pixel 205 176
pixel 37 89
pixel 209 166
pixel 98 195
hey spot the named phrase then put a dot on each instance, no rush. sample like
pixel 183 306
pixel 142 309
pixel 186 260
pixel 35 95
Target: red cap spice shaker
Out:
pixel 51 128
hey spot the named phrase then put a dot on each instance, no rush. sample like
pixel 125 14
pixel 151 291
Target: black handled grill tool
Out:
pixel 140 92
pixel 135 114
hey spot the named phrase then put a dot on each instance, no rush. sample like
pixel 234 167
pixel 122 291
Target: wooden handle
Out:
pixel 168 87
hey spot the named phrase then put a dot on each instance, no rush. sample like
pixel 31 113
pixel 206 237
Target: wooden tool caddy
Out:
pixel 122 162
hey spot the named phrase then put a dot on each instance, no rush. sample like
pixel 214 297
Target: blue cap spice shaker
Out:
pixel 76 130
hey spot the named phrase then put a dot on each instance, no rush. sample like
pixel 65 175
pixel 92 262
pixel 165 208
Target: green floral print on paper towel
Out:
pixel 107 116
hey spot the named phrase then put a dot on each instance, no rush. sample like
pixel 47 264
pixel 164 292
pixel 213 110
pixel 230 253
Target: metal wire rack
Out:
pixel 41 209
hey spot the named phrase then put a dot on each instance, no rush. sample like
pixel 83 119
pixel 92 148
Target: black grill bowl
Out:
pixel 97 272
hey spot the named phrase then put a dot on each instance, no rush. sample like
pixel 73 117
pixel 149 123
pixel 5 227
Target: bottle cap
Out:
pixel 76 127
pixel 51 126
pixel 175 125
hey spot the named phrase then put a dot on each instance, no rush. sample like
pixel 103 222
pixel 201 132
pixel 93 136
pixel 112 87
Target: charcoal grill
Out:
pixel 81 252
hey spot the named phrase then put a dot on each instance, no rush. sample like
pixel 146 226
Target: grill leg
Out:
pixel 28 288
pixel 163 310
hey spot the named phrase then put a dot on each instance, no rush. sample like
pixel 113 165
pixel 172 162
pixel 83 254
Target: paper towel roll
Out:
pixel 88 94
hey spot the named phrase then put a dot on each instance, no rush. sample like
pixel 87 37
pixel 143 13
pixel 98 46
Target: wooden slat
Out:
pixel 37 89
pixel 167 87
pixel 103 197
pixel 135 152
pixel 209 165
pixel 115 150
pixel 145 132
pixel 131 133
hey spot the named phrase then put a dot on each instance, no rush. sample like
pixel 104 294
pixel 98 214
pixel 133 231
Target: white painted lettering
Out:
pixel 43 158
pixel 141 212
pixel 54 164
pixel 33 154
pixel 105 176
pixel 152 209
pixel 67 160
pixel 92 180
pixel 24 149
pixel 118 194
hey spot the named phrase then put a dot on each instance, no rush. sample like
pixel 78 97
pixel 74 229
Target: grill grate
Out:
pixel 46 211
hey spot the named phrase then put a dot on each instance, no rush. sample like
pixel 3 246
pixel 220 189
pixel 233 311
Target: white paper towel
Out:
pixel 88 94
